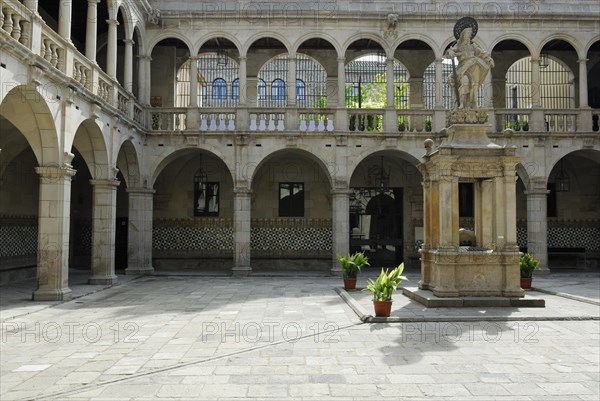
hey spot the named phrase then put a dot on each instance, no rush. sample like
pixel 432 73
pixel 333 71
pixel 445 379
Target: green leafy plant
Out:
pixel 352 263
pixel 528 264
pixel 385 285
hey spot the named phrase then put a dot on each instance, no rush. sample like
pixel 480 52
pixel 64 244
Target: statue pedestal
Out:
pixel 490 266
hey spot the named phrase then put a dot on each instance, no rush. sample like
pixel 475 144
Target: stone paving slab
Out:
pixel 276 338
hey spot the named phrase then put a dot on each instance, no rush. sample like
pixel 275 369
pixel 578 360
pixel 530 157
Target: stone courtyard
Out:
pixel 192 337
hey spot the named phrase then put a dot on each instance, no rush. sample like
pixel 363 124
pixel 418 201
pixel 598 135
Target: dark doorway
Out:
pixel 376 225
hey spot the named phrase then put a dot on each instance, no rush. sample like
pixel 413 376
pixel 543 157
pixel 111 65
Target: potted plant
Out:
pixel 383 288
pixel 527 264
pixel 351 265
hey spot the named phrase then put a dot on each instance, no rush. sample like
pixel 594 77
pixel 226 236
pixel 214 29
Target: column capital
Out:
pixel 53 173
pixel 129 42
pixel 112 22
pixel 537 192
pixel 244 59
pixel 194 58
pixel 144 57
pixel 242 192
pixel 339 192
pixel 105 183
pixel 341 60
pixel 93 3
pixel 583 60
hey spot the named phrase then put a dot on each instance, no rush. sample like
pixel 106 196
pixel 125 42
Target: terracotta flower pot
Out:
pixel 349 283
pixel 382 308
pixel 526 283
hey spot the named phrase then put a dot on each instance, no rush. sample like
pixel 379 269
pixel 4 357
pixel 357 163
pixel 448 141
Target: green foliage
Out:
pixel 352 263
pixel 528 264
pixel 385 285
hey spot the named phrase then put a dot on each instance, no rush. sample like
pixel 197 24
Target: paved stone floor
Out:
pixel 184 337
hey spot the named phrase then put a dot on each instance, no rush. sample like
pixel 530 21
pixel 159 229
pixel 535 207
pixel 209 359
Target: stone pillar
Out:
pixel 585 120
pixel 341 82
pixel 340 227
pixel 111 52
pixel 103 231
pixel 389 83
pixel 448 214
pixel 139 237
pixel 341 115
pixel 583 84
pixel 537 224
pixel 128 66
pixel 535 83
pixel 144 79
pixel 193 82
pixel 91 32
pixel 241 231
pixel 53 234
pixel 32 5
pixel 291 78
pixel 64 19
pixel 243 83
pixel 415 85
pixel 439 98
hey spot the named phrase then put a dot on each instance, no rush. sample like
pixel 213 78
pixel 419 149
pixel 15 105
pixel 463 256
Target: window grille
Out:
pixel 272 73
pixel 216 82
pixel 556 85
pixel 311 82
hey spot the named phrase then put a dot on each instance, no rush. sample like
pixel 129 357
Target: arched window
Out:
pixel 235 89
pixel 556 85
pixel 300 89
pixel 219 89
pixel 278 90
pixel 262 90
pixel 212 82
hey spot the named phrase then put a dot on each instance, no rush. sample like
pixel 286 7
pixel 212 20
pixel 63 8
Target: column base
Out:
pixel 515 293
pixel 103 280
pixel 241 271
pixel 424 286
pixel 336 271
pixel 139 271
pixel 542 271
pixel 60 294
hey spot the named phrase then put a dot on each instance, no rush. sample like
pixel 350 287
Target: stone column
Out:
pixel 537 224
pixel 139 234
pixel 103 231
pixel 111 52
pixel 291 78
pixel 128 66
pixel 341 82
pixel 91 32
pixel 583 84
pixel 32 5
pixel 143 79
pixel 439 69
pixel 585 120
pixel 64 19
pixel 535 83
pixel 415 85
pixel 242 117
pixel 389 82
pixel 241 231
pixel 53 234
pixel 340 227
pixel 341 115
pixel 193 82
pixel 243 82
pixel 448 212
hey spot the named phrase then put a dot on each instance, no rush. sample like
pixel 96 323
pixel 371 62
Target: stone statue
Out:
pixel 474 64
